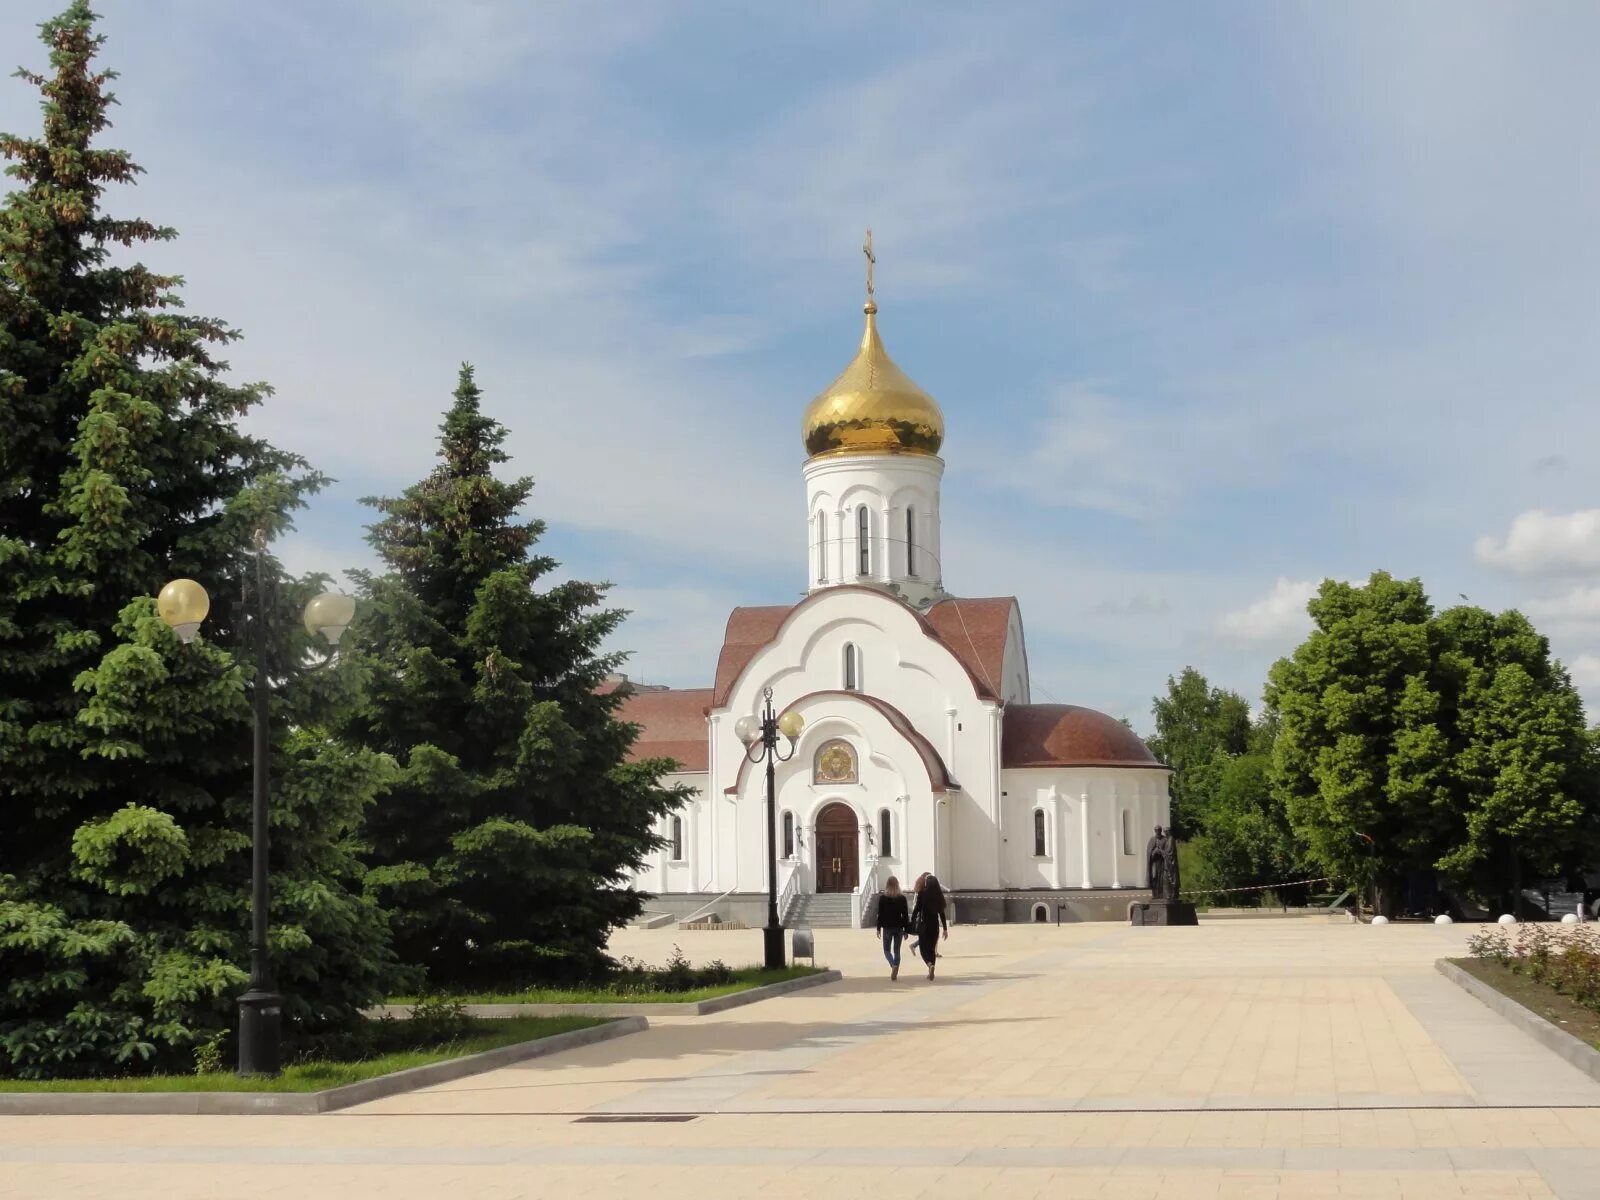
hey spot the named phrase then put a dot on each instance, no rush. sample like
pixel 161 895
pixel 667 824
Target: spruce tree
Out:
pixel 125 754
pixel 502 849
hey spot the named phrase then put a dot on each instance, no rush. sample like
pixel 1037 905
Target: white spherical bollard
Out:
pixel 1380 919
pixel 1443 919
pixel 1507 919
pixel 1570 919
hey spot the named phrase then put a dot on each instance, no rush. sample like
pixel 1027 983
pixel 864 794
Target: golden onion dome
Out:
pixel 873 407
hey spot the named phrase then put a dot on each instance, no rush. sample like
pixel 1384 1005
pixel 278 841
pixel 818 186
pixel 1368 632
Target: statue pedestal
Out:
pixel 1162 912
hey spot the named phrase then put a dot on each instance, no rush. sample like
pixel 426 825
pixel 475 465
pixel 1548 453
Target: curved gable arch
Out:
pixel 734 669
pixel 879 719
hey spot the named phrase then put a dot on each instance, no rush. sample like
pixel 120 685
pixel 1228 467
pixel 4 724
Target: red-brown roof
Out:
pixel 673 726
pixel 1066 735
pixel 973 630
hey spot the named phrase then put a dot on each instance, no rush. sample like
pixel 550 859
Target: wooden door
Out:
pixel 838 843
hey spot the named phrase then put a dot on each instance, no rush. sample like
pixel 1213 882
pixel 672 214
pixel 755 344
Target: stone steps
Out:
pixel 826 911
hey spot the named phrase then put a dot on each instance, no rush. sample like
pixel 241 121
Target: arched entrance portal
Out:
pixel 838 842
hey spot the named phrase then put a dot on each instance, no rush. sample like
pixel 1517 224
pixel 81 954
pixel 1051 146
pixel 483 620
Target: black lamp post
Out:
pixel 183 605
pixel 760 739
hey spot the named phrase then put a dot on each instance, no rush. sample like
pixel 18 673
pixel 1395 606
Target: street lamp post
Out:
pixel 760 738
pixel 183 605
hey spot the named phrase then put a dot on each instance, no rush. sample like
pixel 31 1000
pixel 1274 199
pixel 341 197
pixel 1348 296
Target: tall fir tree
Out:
pixel 124 754
pixel 502 850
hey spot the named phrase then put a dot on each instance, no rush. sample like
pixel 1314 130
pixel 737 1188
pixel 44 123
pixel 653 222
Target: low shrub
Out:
pixel 679 975
pixel 1564 958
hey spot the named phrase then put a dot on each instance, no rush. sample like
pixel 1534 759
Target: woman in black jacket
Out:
pixel 929 919
pixel 893 921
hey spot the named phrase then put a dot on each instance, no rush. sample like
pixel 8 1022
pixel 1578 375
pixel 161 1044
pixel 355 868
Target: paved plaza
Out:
pixel 1254 1058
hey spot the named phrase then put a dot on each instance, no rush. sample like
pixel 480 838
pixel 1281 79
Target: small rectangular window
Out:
pixel 1127 833
pixel 677 839
pixel 1038 833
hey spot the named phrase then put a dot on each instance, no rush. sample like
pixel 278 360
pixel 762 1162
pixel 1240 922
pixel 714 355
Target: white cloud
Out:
pixel 1586 672
pixel 1545 543
pixel 1579 606
pixel 1278 616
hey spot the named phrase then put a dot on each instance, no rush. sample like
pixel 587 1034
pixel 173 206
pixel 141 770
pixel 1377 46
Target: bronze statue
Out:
pixel 1155 859
pixel 1165 906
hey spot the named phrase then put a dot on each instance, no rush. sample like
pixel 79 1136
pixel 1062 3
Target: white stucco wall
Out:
pixel 887 485
pixel 901 665
pixel 1085 844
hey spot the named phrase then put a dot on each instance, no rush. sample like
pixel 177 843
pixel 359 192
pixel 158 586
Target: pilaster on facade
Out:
pixel 1116 836
pixel 1083 814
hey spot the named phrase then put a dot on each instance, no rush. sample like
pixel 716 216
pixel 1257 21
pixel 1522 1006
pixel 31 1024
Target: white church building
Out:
pixel 922 749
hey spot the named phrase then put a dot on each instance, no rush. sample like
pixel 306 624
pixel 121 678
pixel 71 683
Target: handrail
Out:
pixel 869 889
pixel 704 909
pixel 791 889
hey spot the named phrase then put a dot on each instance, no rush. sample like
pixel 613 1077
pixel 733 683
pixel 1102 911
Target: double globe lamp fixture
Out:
pixel 760 738
pixel 184 605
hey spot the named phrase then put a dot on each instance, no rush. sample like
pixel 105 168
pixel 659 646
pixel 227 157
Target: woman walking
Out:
pixel 929 919
pixel 894 918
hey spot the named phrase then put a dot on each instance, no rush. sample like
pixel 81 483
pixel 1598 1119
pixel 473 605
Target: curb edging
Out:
pixel 697 1008
pixel 1574 1049
pixel 307 1103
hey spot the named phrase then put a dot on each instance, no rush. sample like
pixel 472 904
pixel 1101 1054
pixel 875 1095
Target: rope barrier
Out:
pixel 1257 887
pixel 1069 889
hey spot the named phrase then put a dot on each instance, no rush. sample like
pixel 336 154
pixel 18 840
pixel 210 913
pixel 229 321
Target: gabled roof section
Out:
pixel 973 630
pixel 672 725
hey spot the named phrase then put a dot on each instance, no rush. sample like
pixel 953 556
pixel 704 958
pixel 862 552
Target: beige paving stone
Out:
pixel 1241 1059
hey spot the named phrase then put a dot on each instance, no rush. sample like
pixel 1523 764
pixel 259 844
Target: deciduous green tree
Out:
pixel 1522 781
pixel 1359 753
pixel 1195 723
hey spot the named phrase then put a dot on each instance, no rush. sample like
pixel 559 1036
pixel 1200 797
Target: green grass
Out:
pixel 314 1076
pixel 743 981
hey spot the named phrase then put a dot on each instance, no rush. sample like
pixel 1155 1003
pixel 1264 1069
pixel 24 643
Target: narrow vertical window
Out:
pixel 822 547
pixel 852 669
pixel 788 835
pixel 885 833
pixel 911 542
pixel 863 541
pixel 1038 833
pixel 1127 834
pixel 677 839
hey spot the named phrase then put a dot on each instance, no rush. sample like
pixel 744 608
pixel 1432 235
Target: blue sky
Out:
pixel 1218 300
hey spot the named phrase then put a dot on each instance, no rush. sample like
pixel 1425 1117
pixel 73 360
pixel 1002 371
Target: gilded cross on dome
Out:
pixel 872 260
